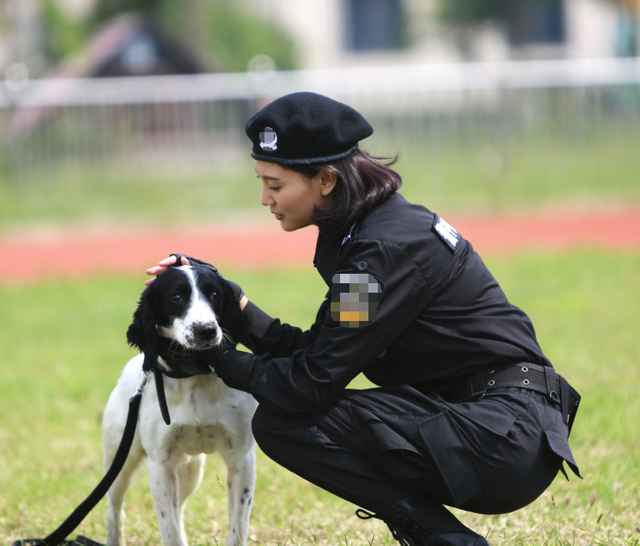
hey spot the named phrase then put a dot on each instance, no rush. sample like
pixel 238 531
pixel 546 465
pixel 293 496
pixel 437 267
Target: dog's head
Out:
pixel 191 305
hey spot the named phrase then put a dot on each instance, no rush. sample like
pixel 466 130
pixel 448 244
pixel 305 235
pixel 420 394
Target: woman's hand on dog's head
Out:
pixel 162 266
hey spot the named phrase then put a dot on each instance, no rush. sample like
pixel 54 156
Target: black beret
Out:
pixel 306 129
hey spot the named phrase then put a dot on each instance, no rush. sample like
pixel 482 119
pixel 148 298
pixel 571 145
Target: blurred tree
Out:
pixel 62 35
pixel 526 21
pixel 467 12
pixel 476 11
pixel 105 9
pixel 228 33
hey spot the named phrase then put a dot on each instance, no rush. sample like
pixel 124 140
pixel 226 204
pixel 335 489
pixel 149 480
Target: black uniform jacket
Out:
pixel 437 314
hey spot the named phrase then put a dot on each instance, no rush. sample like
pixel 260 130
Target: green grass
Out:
pixel 508 176
pixel 449 176
pixel 63 347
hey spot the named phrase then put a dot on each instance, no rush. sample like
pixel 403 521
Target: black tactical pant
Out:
pixel 377 447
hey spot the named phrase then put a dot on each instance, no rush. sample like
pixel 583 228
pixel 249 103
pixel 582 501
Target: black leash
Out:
pixel 159 381
pixel 58 537
pixel 67 527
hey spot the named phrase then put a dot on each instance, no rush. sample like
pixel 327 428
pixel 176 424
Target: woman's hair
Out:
pixel 363 182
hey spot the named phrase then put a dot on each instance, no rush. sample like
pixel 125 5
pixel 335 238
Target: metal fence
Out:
pixel 446 120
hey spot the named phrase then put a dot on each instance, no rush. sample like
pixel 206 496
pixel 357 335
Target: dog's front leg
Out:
pixel 241 483
pixel 163 482
pixel 189 477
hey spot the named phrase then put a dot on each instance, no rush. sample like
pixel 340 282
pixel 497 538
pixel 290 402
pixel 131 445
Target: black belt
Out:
pixel 542 379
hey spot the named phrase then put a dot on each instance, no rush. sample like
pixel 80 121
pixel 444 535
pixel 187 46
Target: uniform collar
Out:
pixel 328 252
pixel 328 247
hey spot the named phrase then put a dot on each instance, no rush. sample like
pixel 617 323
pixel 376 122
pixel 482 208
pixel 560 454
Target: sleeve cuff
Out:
pixel 234 368
pixel 259 322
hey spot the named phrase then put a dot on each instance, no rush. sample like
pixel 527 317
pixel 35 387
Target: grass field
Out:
pixel 492 175
pixel 63 347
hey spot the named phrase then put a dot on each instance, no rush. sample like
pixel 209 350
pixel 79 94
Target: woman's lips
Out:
pixel 278 216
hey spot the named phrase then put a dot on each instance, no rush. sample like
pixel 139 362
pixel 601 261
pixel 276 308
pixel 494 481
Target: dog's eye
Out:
pixel 215 295
pixel 176 298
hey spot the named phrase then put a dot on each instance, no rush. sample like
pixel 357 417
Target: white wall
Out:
pixel 591 28
pixel 315 25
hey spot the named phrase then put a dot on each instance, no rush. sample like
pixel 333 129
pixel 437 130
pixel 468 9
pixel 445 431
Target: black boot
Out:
pixel 410 524
pixel 462 539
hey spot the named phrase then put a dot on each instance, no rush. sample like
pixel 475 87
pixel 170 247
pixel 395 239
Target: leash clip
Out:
pixel 139 390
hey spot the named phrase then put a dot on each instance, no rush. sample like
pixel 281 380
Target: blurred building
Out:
pixel 134 45
pixel 337 33
pixel 129 44
pixel 343 33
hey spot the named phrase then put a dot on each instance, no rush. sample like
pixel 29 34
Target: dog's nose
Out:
pixel 205 332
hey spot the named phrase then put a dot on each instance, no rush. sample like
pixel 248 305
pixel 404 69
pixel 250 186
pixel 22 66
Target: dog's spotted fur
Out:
pixel 190 305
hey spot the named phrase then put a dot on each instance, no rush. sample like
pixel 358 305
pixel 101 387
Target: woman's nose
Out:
pixel 265 197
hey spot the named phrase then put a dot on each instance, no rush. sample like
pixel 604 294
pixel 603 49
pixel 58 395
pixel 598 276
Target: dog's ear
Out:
pixel 142 332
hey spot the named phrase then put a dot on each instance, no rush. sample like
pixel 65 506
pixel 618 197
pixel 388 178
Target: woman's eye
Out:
pixel 215 296
pixel 272 188
pixel 176 298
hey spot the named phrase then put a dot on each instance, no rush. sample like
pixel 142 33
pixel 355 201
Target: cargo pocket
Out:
pixel 321 439
pixel 385 443
pixel 560 447
pixel 453 457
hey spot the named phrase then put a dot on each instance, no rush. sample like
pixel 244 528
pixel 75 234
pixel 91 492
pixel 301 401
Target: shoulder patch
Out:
pixel 354 299
pixel 447 233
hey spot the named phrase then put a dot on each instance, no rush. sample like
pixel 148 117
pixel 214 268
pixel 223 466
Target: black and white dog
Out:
pixel 192 306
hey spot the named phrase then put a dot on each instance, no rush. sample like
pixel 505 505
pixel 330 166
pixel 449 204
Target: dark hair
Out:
pixel 363 182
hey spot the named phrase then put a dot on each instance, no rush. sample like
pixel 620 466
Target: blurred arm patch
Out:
pixel 447 233
pixel 354 299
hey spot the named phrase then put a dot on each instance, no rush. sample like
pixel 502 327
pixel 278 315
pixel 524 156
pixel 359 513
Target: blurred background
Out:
pixel 122 117
pixel 126 111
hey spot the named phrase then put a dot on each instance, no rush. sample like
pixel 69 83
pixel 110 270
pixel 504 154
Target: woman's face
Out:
pixel 291 197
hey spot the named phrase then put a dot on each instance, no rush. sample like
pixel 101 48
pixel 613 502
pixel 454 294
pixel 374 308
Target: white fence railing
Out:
pixel 375 81
pixel 448 121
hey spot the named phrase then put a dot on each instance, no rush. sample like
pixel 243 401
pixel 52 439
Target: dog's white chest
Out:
pixel 206 417
pixel 194 440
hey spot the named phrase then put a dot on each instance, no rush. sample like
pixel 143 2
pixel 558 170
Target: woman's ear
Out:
pixel 328 181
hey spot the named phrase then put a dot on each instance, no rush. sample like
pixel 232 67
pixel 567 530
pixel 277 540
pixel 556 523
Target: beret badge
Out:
pixel 268 139
pixel 306 129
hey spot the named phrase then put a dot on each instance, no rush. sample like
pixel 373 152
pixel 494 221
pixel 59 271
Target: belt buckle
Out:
pixel 477 386
pixel 475 397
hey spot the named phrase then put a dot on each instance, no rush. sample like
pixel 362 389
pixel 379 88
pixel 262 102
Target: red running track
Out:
pixel 79 253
